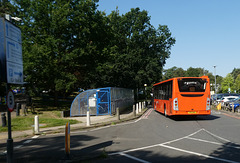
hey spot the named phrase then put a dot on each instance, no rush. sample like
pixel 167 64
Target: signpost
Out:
pixel 11 69
pixel 10 105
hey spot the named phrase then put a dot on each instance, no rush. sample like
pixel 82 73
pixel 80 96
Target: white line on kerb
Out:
pixel 99 128
pixel 138 120
pixel 36 136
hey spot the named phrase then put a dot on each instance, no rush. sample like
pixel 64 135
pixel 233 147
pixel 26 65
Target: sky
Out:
pixel 207 32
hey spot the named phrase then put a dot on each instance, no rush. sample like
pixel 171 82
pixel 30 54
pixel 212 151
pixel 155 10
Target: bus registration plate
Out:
pixel 192 112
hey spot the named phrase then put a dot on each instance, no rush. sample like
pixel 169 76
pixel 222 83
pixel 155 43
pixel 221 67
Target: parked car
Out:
pixel 232 101
pixel 220 96
pixel 228 98
pixel 236 106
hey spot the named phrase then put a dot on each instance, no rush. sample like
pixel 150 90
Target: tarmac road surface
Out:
pixel 151 138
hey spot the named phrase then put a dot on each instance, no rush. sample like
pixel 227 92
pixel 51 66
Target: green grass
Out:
pixel 48 119
pixel 49 115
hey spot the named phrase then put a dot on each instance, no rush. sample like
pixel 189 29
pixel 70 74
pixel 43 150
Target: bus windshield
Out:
pixel 192 85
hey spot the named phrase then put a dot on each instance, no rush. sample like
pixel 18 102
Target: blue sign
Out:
pixel 2 53
pixel 11 62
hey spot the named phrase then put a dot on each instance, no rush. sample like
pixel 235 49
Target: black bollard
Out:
pixel 18 107
pixel 4 121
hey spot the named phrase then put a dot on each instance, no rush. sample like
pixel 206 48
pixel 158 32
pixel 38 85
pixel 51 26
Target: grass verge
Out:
pixel 46 119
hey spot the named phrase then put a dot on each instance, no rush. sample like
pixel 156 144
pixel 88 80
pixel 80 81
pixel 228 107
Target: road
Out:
pixel 152 138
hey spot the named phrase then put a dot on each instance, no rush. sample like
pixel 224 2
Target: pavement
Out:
pixel 95 121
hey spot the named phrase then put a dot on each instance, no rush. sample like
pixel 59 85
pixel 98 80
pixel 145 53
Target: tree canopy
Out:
pixel 71 44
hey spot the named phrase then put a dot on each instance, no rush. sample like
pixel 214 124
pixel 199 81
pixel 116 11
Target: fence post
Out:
pixel 88 118
pixel 18 107
pixel 140 107
pixel 36 125
pixel 134 111
pixel 118 114
pixel 232 107
pixel 4 120
pixel 23 107
pixel 136 108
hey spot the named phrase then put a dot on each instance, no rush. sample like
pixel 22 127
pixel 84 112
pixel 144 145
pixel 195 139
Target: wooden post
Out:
pixel 118 114
pixel 134 111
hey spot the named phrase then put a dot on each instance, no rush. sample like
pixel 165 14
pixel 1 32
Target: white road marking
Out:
pixel 19 146
pixel 182 137
pixel 217 136
pixel 151 146
pixel 123 153
pixel 198 154
pixel 133 150
pixel 134 158
pixel 206 141
pixel 145 116
pixel 27 141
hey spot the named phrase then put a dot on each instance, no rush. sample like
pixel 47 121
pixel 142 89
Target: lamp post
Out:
pixel 215 79
pixel 145 85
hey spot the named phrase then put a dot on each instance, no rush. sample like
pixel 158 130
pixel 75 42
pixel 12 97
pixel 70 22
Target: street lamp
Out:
pixel 145 85
pixel 215 79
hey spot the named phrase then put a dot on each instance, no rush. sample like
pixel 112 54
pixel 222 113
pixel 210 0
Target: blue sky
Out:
pixel 207 32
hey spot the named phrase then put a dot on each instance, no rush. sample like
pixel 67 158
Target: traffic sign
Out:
pixel 11 61
pixel 10 101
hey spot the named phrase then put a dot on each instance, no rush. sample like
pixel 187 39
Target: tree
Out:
pixel 194 72
pixel 173 72
pixel 139 50
pixel 62 43
pixel 69 45
pixel 6 8
pixel 228 82
pixel 237 84
pixel 235 73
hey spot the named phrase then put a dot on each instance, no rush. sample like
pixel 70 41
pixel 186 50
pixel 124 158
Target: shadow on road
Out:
pixel 193 117
pixel 51 148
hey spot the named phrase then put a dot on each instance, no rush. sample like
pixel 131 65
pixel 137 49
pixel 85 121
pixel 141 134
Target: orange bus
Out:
pixel 183 96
